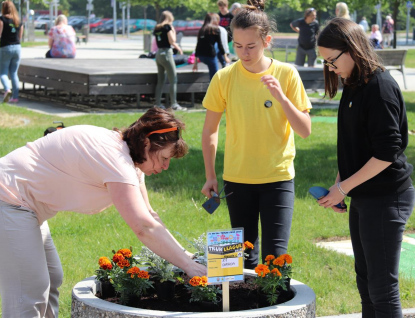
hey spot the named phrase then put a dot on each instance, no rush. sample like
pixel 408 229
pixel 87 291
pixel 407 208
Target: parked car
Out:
pixel 103 26
pixel 95 23
pixel 147 23
pixel 78 23
pixel 42 21
pixel 187 28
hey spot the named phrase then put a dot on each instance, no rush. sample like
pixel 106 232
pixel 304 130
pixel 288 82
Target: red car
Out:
pixel 95 23
pixel 187 28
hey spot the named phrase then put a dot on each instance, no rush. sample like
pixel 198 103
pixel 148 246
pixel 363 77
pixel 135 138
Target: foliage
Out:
pixel 273 275
pixel 158 267
pixel 201 291
pixel 128 280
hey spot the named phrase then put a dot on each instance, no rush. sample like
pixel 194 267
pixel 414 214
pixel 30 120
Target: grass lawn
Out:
pixel 175 194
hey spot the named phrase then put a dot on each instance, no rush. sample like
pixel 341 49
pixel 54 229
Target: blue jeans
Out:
pixel 273 204
pixel 10 60
pixel 212 64
pixel 220 56
pixel 376 229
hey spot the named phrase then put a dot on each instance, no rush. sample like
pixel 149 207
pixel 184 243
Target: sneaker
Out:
pixel 14 100
pixel 178 107
pixel 160 106
pixel 6 96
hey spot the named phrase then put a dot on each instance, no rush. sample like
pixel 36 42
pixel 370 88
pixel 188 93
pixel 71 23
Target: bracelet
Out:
pixel 340 189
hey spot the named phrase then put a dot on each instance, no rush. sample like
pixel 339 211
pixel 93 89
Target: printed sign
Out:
pixel 225 254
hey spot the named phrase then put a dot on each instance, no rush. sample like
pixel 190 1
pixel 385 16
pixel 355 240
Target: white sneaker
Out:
pixel 178 107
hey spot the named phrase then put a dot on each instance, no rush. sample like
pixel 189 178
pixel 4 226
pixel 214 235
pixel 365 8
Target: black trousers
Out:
pixel 273 204
pixel 376 229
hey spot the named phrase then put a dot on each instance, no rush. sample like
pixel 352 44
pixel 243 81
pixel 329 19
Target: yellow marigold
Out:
pixel 144 275
pixel 276 272
pixel 123 263
pixel 118 257
pixel 105 263
pixel 287 258
pixel 203 280
pixel 248 244
pixel 279 261
pixel 133 271
pixel 262 270
pixel 125 252
pixel 195 281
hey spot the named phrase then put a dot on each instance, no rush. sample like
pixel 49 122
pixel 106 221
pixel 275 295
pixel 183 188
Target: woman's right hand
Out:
pixel 196 269
pixel 194 67
pixel 210 185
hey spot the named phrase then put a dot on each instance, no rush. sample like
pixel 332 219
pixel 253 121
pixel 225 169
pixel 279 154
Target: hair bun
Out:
pixel 256 5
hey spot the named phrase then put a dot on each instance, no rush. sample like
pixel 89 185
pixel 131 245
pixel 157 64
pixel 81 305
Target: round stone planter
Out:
pixel 85 305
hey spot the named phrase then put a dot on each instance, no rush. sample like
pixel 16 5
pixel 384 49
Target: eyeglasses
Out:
pixel 331 64
pixel 165 130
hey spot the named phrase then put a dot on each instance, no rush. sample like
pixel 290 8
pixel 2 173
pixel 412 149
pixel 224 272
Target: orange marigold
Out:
pixel 262 270
pixel 144 275
pixel 203 280
pixel 279 261
pixel 287 258
pixel 276 272
pixel 195 281
pixel 133 271
pixel 105 263
pixel 123 263
pixel 248 244
pixel 125 252
pixel 118 257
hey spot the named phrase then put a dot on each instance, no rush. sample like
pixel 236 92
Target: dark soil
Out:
pixel 243 296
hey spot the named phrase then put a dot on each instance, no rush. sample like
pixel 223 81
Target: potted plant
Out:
pixel 103 273
pixel 206 295
pixel 274 276
pixel 128 281
pixel 163 273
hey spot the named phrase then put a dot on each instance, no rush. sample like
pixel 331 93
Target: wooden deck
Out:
pixel 108 83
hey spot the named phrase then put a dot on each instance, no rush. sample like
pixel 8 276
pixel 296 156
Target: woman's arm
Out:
pixel 209 146
pixel 1 28
pixel 299 120
pixel 171 35
pixel 20 32
pixel 130 204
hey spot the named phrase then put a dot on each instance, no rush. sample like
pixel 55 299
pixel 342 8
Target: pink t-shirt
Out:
pixel 67 170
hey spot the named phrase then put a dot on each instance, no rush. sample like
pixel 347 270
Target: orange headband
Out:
pixel 162 131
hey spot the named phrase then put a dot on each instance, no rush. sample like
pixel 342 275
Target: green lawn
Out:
pixel 175 194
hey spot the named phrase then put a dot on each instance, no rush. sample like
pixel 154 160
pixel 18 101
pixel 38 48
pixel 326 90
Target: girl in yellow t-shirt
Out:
pixel 265 103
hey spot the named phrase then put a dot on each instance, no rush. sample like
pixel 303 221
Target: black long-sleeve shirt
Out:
pixel 206 44
pixel 372 123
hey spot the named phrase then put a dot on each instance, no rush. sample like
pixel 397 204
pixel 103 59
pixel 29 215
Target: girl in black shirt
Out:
pixel 372 167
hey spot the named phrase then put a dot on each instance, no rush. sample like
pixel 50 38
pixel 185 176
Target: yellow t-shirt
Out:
pixel 259 144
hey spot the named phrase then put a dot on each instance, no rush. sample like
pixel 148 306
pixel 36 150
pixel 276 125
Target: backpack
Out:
pixel 387 27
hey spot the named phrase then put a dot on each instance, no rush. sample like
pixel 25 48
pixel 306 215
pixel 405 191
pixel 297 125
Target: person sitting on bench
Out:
pixel 61 39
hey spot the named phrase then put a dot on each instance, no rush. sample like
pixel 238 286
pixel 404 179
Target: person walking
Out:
pixel 308 29
pixel 264 102
pixel 62 39
pixel 208 36
pixel 165 35
pixel 224 40
pixel 387 31
pixel 83 169
pixel 11 32
pixel 372 167
pixel 364 25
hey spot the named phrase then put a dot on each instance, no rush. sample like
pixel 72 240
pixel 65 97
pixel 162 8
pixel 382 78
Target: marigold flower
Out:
pixel 123 263
pixel 195 281
pixel 203 280
pixel 287 258
pixel 144 275
pixel 125 252
pixel 248 244
pixel 118 257
pixel 276 272
pixel 133 271
pixel 279 261
pixel 105 263
pixel 262 270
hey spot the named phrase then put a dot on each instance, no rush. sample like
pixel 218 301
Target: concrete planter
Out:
pixel 85 305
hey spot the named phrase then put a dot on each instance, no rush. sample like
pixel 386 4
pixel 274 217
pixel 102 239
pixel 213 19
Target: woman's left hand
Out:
pixel 194 67
pixel 274 87
pixel 332 198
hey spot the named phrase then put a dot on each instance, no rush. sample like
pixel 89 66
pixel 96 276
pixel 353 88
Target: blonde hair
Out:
pixel 342 10
pixel 61 19
pixel 7 7
pixel 166 17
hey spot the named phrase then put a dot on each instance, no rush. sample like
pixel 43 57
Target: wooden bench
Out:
pixel 394 60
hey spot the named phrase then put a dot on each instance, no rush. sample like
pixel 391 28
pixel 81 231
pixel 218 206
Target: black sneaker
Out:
pixel 178 107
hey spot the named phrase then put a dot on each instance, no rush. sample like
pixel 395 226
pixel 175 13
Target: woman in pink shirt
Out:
pixel 62 39
pixel 84 169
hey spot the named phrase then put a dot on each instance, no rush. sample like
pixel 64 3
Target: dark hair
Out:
pixel 345 35
pixel 308 12
pixel 252 15
pixel 208 27
pixel 154 119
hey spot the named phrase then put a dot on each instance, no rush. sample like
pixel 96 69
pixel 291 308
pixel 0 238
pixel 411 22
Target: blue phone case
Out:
pixel 320 192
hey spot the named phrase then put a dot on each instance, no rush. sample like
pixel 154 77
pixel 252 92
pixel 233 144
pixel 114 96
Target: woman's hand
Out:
pixel 274 87
pixel 210 185
pixel 195 66
pixel 332 198
pixel 227 59
pixel 196 269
